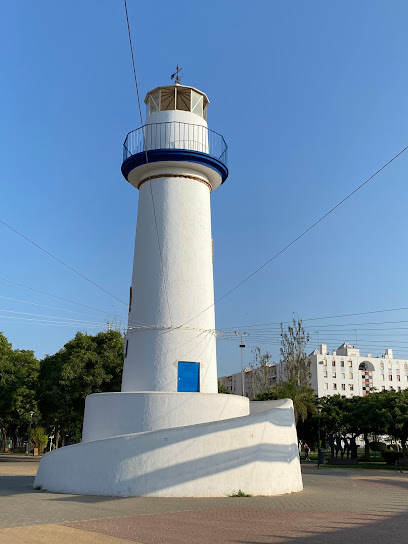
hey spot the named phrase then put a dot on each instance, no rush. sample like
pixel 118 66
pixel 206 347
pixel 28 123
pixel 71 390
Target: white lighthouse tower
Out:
pixel 175 161
pixel 168 432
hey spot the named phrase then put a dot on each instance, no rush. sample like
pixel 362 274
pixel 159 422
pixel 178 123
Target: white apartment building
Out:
pixel 348 373
pixel 345 371
pixel 255 380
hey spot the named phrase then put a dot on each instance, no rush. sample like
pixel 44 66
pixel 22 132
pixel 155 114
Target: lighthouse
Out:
pixel 175 161
pixel 168 432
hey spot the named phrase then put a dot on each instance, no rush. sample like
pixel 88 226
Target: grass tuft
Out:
pixel 239 493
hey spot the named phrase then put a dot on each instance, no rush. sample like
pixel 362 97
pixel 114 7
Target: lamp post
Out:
pixel 29 434
pixel 319 408
pixel 242 346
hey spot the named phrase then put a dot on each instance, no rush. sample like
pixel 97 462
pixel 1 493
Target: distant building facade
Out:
pixel 350 374
pixel 345 371
pixel 255 380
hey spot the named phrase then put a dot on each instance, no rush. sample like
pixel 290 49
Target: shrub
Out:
pixel 378 446
pixel 39 439
pixel 391 456
pixel 239 493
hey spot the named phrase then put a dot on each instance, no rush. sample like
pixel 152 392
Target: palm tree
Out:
pixel 303 397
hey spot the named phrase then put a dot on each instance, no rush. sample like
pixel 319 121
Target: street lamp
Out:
pixel 29 435
pixel 242 345
pixel 319 409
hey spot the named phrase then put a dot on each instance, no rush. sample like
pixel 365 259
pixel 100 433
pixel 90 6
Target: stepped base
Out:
pixel 257 453
pixel 115 414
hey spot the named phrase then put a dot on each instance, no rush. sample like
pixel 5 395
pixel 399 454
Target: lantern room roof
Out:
pixel 177 86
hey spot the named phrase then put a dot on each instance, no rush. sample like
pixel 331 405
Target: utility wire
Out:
pixel 147 162
pixel 300 235
pixel 59 261
pixel 56 296
pixel 325 317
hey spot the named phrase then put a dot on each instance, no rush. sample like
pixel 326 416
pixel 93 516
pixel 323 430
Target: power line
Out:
pixel 147 163
pixel 59 261
pixel 300 235
pixel 56 296
pixel 45 306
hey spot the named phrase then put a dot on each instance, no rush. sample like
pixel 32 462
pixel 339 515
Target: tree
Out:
pixel 396 410
pixel 39 439
pixel 261 379
pixel 303 397
pixel 293 354
pixel 6 386
pixel 18 380
pixel 86 364
pixel 222 389
pixel 367 415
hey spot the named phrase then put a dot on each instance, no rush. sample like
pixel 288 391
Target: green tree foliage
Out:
pixel 296 385
pixel 222 389
pixel 395 410
pixel 86 364
pixel 303 397
pixel 39 439
pixel 293 354
pixel 18 381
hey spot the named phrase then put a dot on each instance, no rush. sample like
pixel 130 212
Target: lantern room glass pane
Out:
pixel 197 103
pixel 167 101
pixel 154 102
pixel 183 99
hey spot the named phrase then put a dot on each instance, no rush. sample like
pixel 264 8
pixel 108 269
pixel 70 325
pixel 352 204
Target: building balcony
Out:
pixel 175 141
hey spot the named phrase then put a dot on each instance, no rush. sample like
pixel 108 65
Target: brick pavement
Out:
pixel 337 505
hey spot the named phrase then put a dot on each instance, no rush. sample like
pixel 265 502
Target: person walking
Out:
pixel 307 450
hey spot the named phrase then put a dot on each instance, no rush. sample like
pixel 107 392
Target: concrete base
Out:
pixel 257 453
pixel 115 414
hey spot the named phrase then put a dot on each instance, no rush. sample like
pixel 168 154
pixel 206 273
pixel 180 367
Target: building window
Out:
pixel 382 377
pixel 405 366
pixel 351 387
pixel 343 386
pixel 390 377
pixel 350 364
pixel 325 363
pixel 343 376
pixel 335 386
pixel 325 386
pixel 341 363
pixel 350 375
pixel 325 374
pixel 333 363
pixel 398 378
pixel 399 389
pixel 382 366
pixel 333 374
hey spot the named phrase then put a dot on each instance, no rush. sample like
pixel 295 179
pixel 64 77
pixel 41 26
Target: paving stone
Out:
pixel 336 506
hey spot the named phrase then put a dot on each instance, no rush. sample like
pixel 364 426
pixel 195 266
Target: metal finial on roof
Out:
pixel 177 76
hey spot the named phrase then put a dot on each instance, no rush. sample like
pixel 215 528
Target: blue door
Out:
pixel 188 377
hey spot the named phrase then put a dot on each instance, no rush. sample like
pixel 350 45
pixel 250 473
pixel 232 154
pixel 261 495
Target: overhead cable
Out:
pixel 300 235
pixel 61 262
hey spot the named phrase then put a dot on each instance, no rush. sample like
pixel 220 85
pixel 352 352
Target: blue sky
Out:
pixel 311 99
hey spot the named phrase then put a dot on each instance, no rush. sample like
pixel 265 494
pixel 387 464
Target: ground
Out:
pixel 337 506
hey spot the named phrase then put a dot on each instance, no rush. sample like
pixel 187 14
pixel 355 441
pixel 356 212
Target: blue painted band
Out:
pixel 179 155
